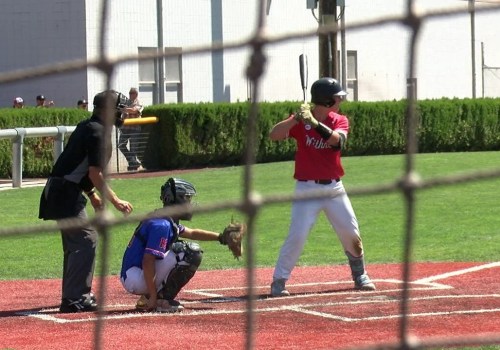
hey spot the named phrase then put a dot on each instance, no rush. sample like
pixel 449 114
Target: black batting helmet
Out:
pixel 323 91
pixel 113 99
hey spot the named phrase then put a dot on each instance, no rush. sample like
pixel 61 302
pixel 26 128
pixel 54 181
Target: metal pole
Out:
pixel 117 150
pixel 17 161
pixel 161 60
pixel 472 41
pixel 328 43
pixel 343 48
pixel 482 69
pixel 59 142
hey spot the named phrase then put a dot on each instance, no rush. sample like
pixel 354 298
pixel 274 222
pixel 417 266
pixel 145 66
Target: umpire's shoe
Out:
pixel 78 305
pixel 278 288
pixel 363 282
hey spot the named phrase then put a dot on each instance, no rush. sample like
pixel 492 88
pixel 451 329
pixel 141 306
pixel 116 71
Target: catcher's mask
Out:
pixel 115 101
pixel 324 90
pixel 177 192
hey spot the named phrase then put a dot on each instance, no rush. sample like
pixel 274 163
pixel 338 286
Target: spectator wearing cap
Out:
pixel 129 140
pixel 83 104
pixel 18 103
pixel 40 102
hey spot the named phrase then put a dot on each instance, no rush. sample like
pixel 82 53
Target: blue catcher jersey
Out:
pixel 153 236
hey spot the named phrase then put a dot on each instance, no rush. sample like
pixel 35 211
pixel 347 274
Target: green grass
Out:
pixel 453 223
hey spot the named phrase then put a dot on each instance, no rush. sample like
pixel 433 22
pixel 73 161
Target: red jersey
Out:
pixel 315 159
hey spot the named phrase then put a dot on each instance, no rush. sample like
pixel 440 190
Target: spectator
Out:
pixel 40 102
pixel 82 104
pixel 130 134
pixel 18 103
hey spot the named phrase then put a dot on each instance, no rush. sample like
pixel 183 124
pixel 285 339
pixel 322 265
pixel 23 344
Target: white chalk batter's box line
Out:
pixel 306 308
pixel 219 292
pixel 365 297
pixel 430 282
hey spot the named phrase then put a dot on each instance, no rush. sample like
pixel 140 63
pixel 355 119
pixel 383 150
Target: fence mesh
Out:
pixel 407 184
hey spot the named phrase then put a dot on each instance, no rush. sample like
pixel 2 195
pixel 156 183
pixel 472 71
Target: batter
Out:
pixel 320 135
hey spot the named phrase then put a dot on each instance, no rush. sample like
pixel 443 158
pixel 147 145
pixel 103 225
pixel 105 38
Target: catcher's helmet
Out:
pixel 323 91
pixel 113 99
pixel 177 191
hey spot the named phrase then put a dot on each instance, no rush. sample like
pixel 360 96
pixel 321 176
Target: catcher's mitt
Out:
pixel 232 236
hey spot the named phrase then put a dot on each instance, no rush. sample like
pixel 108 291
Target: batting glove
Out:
pixel 306 116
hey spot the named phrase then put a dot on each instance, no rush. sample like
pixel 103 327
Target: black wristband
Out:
pixel 324 131
pixel 90 193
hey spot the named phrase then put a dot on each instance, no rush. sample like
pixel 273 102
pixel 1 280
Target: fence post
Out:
pixel 59 142
pixel 17 161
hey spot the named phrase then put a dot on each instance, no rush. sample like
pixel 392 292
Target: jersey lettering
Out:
pixel 163 243
pixel 316 143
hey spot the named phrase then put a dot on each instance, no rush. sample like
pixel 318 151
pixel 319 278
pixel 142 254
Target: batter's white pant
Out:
pixel 338 210
pixel 135 283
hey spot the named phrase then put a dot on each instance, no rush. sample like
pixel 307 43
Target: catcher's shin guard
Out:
pixel 183 271
pixel 359 275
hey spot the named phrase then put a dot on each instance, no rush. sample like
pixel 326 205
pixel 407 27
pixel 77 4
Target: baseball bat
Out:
pixel 303 75
pixel 140 121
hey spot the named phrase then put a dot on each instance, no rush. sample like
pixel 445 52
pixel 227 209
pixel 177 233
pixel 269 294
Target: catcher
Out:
pixel 158 263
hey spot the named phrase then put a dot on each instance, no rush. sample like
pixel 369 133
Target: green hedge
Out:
pixel 37 151
pixel 213 134
pixel 200 135
pixel 375 127
pixel 459 125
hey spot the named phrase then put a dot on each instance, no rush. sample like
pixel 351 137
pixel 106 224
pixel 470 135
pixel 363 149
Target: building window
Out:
pixel 147 68
pixel 173 74
pixel 160 78
pixel 352 74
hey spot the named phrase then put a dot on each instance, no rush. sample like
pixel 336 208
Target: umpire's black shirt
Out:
pixel 62 196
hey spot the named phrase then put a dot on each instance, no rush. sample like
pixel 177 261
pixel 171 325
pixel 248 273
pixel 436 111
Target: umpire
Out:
pixel 80 169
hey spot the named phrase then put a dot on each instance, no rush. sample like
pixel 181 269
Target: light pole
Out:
pixel 160 77
pixel 328 43
pixel 472 44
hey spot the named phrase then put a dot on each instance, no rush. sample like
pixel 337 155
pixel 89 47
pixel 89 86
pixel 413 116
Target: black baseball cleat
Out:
pixel 78 305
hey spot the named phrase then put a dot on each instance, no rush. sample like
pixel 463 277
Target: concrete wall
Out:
pixel 37 33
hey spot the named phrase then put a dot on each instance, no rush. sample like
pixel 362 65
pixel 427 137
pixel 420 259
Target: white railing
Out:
pixel 18 135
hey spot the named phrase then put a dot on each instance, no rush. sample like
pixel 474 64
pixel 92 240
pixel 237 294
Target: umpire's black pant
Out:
pixel 79 247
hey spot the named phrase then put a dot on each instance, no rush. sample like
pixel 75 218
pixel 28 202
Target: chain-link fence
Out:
pixel 129 148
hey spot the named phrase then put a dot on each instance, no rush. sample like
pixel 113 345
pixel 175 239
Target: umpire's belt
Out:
pixel 322 181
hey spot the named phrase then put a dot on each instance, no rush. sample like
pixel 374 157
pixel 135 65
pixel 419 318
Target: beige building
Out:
pixel 373 62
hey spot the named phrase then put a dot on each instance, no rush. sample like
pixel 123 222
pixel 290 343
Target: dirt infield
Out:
pixel 323 311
